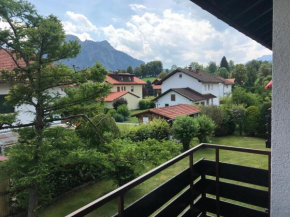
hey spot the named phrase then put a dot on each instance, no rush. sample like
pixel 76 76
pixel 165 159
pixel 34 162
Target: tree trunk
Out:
pixel 185 145
pixel 33 201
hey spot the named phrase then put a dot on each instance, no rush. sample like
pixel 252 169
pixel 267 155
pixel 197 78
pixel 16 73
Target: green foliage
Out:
pixel 149 88
pixel 264 112
pixel 206 128
pixel 112 112
pixel 119 118
pixel 162 75
pixel 238 113
pixel 251 122
pixel 185 129
pixel 152 104
pixel 265 69
pixel 123 110
pixel 223 72
pixel 240 74
pixel 224 64
pixel 231 65
pixel 118 102
pixel 196 65
pixel 144 104
pixel 252 75
pixel 130 70
pixel 211 67
pixel 130 158
pixel 241 96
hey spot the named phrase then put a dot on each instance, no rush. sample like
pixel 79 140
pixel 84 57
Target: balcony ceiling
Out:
pixel 254 18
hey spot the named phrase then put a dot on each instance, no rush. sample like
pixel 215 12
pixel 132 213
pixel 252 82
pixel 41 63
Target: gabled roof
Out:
pixel 227 81
pixel 188 93
pixel 172 112
pixel 7 63
pixel 134 82
pixel 195 73
pixel 116 95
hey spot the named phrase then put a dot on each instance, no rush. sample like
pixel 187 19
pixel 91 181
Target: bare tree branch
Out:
pixel 15 126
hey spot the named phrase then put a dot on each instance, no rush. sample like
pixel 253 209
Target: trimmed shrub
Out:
pixel 185 128
pixel 143 104
pixel 112 112
pixel 251 122
pixel 152 104
pixel 264 112
pixel 123 110
pixel 119 117
pixel 118 102
pixel 206 128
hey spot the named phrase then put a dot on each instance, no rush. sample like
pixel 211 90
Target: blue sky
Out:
pixel 173 31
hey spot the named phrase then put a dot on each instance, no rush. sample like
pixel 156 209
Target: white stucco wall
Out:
pixel 137 89
pixel 186 81
pixel 214 89
pixel 280 185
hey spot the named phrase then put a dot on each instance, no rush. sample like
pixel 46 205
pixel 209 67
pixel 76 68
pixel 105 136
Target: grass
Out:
pixel 76 200
pixel 149 79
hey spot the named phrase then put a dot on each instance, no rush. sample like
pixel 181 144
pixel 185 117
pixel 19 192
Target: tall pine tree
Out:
pixel 224 63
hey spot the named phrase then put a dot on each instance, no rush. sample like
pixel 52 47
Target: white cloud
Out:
pixel 176 38
pixel 137 7
pixel 79 25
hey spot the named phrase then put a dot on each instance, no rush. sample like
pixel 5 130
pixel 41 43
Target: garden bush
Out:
pixel 144 104
pixel 118 102
pixel 264 112
pixel 251 122
pixel 123 110
pixel 206 128
pixel 119 117
pixel 152 104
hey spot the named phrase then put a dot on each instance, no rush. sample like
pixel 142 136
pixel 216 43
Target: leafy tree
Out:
pixel 154 68
pixel 231 65
pixel 196 65
pixel 130 70
pixel 123 110
pixel 206 128
pixel 224 63
pixel 137 72
pixel 252 75
pixel 240 74
pixel 265 69
pixel 254 64
pixel 162 75
pixel 149 88
pixel 173 67
pixel 238 113
pixel 241 96
pixel 211 67
pixel 185 129
pixel 40 41
pixel 120 101
pixel 264 112
pixel 223 72
pixel 143 71
pixel 251 122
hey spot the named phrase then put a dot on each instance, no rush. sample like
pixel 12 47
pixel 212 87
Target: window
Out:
pixel 121 78
pixel 172 97
pixel 205 87
pixel 118 89
pixel 227 86
pixel 124 88
pixel 145 119
pixel 130 78
pixel 132 88
pixel 209 87
pixel 4 109
pixel 212 101
pixel 207 102
pixel 180 75
pixel 166 105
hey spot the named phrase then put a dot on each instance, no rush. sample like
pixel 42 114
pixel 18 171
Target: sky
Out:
pixel 173 31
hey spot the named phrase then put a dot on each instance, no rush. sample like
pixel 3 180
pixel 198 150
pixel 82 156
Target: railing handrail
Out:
pixel 121 190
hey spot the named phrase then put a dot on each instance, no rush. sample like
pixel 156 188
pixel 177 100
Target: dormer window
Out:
pixel 130 79
pixel 180 75
pixel 122 78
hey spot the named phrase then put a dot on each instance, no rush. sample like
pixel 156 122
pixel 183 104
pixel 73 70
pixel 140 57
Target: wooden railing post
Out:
pixel 217 160
pixel 191 183
pixel 121 206
pixel 203 194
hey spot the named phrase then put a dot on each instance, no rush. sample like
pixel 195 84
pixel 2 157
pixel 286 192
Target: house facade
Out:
pixel 132 99
pixel 199 82
pixel 125 82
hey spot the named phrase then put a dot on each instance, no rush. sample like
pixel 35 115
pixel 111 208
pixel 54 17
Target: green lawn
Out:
pixel 79 199
pixel 149 79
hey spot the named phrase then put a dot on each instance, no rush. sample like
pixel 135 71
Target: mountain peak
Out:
pixel 72 37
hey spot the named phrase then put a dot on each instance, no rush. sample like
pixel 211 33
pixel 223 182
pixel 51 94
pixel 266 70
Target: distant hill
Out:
pixel 102 52
pixel 266 58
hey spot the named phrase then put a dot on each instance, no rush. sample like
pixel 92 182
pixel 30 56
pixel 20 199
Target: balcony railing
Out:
pixel 204 188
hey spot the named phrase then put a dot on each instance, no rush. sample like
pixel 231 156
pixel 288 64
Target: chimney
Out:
pixel 190 68
pixel 198 71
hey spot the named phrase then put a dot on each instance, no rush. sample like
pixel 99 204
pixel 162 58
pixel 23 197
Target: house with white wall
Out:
pixel 203 88
pixel 127 86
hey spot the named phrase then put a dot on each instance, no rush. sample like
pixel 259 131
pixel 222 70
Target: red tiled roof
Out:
pixel 172 112
pixel 7 63
pixel 269 85
pixel 114 81
pixel 2 158
pixel 228 81
pixel 116 95
pixel 231 80
pixel 157 87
